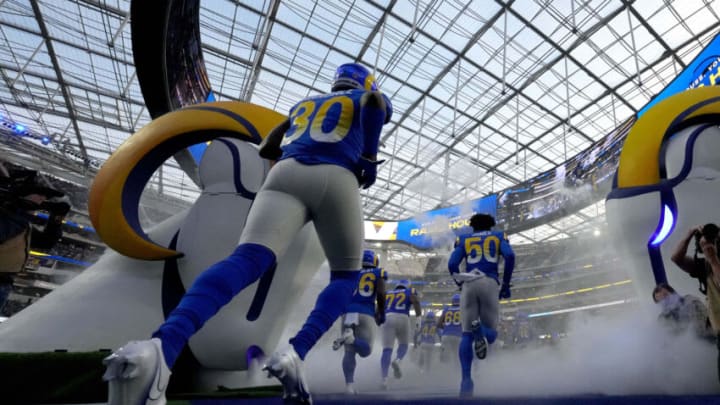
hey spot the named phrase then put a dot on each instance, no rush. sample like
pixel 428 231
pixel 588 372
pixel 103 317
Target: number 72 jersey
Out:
pixel 398 300
pixel 327 129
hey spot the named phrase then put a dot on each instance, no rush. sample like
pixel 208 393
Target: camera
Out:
pixel 21 183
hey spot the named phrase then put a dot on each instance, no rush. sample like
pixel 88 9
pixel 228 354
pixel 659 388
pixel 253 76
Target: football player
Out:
pixel 366 308
pixel 450 330
pixel 397 326
pixel 325 150
pixel 427 337
pixel 481 289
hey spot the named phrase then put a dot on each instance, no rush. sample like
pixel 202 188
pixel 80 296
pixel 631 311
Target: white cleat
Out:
pixel 350 389
pixel 347 338
pixel 286 366
pixel 137 374
pixel 397 373
pixel 384 384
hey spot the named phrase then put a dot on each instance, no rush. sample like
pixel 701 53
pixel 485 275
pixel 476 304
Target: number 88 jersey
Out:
pixel 363 300
pixel 326 129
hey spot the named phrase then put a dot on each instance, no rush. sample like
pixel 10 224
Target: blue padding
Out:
pixel 330 304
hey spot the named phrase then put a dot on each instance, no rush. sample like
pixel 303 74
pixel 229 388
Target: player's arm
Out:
pixel 374 108
pixel 440 324
pixel 380 301
pixel 380 296
pixel 509 256
pixel 679 255
pixel 270 146
pixel 456 257
pixel 415 301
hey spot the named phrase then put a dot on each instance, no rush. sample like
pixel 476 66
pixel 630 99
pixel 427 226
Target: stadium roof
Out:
pixel 486 93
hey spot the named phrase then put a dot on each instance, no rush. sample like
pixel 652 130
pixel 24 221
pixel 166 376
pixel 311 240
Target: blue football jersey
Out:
pixel 452 325
pixel 481 251
pixel 326 129
pixel 398 300
pixel 428 331
pixel 363 300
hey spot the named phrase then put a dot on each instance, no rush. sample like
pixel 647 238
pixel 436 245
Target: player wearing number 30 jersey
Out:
pixel 325 149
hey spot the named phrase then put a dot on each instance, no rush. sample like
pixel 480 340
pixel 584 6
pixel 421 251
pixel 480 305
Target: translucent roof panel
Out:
pixel 485 94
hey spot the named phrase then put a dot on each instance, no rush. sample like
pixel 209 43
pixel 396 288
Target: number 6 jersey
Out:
pixel 363 300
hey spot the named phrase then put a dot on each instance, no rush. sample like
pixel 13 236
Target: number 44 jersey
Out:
pixel 327 129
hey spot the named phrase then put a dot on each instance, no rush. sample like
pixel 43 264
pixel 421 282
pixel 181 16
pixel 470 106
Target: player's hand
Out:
pixel 505 291
pixel 379 318
pixel 366 171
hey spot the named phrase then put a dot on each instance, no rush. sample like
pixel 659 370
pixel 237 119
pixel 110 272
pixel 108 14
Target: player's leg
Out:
pixel 350 322
pixel 348 362
pixel 337 215
pixel 265 236
pixel 403 337
pixel 388 341
pixel 348 365
pixel 489 308
pixel 469 312
pixel 364 334
pixel 333 204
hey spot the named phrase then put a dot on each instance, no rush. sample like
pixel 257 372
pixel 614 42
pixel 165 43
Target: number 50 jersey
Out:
pixel 481 251
pixel 363 300
pixel 327 129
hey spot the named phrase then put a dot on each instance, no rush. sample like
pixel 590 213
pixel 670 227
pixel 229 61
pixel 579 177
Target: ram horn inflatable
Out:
pixel 122 298
pixel 668 180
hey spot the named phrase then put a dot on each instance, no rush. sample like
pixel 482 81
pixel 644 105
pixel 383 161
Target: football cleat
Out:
pixel 286 366
pixel 480 343
pixel 350 389
pixel 397 373
pixel 137 374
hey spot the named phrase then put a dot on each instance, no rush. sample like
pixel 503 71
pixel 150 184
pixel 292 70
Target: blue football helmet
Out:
pixel 430 315
pixel 353 76
pixel 456 300
pixel 370 259
pixel 403 284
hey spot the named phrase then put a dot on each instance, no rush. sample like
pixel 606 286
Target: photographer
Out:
pixel 22 192
pixel 681 313
pixel 706 269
